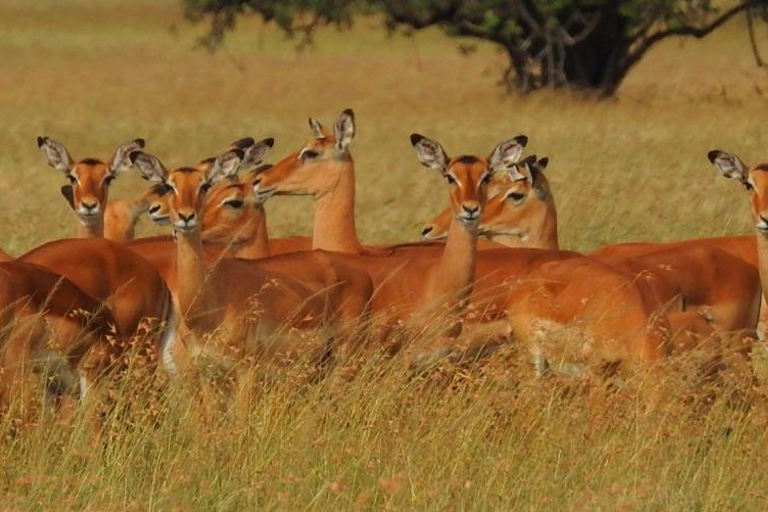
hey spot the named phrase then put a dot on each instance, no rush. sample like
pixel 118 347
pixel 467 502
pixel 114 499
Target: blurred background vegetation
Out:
pixel 589 44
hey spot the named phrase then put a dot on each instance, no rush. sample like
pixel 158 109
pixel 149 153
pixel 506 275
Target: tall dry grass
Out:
pixel 94 74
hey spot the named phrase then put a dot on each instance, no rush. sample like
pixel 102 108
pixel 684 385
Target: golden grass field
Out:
pixel 94 74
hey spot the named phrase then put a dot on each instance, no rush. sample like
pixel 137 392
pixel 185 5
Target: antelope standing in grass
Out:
pixel 253 308
pixel 324 169
pixel 45 318
pixel 698 278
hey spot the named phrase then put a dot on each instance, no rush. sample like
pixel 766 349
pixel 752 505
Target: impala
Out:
pixel 247 304
pixel 323 169
pixel 44 313
pixel 124 282
pixel 522 212
pixel 755 182
pixel 722 288
pixel 88 188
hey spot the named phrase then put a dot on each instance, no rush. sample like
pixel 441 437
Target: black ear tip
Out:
pixel 140 142
pixel 244 142
pixel 416 138
pixel 544 161
pixel 522 140
pixel 41 141
pixel 239 153
pixel 269 141
pixel 712 155
pixel 349 112
pixel 133 156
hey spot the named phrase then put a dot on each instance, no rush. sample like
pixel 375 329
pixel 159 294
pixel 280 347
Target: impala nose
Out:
pixel 762 223
pixel 89 207
pixel 470 210
pixel 187 221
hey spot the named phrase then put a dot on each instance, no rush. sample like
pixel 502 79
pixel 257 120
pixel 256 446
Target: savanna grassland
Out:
pixel 94 74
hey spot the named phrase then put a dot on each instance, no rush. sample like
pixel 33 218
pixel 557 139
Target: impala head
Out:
pixel 89 179
pixel 525 187
pixel 468 176
pixel 188 186
pixel 317 167
pixel 511 196
pixel 754 179
pixel 227 200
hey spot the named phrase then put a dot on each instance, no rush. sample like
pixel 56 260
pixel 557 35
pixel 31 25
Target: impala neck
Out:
pixel 257 245
pixel 335 215
pixel 456 267
pixel 538 231
pixel 192 273
pixel 762 257
pixel 121 218
pixel 92 230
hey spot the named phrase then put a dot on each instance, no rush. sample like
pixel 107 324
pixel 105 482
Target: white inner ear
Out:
pixel 432 155
pixel 57 156
pixel 317 128
pixel 344 132
pixel 731 167
pixel 515 174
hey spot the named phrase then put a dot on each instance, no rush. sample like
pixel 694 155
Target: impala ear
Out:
pixel 121 161
pixel 320 131
pixel 69 195
pixel 226 165
pixel 729 165
pixel 542 164
pixel 56 155
pixel 255 153
pixel 344 129
pixel 507 153
pixel 149 166
pixel 528 163
pixel 430 153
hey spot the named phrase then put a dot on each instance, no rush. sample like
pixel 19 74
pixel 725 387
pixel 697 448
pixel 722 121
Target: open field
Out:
pixel 94 74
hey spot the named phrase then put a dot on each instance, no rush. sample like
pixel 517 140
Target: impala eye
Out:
pixel 205 187
pixel 234 203
pixel 72 179
pixel 516 196
pixel 108 180
pixel 487 178
pixel 451 179
pixel 309 154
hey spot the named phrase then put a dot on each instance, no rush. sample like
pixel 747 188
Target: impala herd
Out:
pixel 222 290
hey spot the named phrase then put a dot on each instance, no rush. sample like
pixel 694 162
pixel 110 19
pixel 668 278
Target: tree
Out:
pixel 588 44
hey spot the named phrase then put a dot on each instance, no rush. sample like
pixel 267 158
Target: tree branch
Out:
pixel 698 32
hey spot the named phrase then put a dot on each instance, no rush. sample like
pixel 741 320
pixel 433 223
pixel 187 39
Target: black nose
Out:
pixel 471 209
pixel 89 206
pixel 186 218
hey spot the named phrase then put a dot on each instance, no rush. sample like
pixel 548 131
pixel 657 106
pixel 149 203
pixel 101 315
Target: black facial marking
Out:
pixel 467 159
pixel 91 161
pixel 161 189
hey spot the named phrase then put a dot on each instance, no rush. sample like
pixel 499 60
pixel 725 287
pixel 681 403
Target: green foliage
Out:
pixel 551 43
